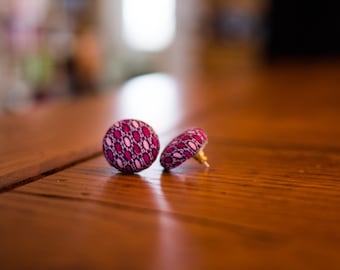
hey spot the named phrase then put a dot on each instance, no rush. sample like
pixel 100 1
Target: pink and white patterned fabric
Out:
pixel 130 145
pixel 183 147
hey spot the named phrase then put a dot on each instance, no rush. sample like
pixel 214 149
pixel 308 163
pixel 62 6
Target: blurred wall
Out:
pixel 56 49
pixel 48 49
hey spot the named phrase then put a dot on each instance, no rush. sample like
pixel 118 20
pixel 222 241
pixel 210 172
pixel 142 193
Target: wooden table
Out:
pixel 270 200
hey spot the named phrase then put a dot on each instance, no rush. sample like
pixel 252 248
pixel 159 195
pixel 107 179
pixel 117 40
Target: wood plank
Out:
pixel 49 137
pixel 284 105
pixel 270 200
pixel 53 136
pixel 255 208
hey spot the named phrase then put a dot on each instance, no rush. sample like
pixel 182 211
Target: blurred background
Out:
pixel 53 49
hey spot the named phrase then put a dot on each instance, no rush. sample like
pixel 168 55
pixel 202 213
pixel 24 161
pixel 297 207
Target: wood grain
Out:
pixel 255 208
pixel 55 136
pixel 270 200
pixel 50 137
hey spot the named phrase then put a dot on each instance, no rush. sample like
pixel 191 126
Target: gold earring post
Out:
pixel 202 158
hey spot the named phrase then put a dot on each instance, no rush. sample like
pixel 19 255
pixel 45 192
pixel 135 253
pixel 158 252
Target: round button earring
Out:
pixel 130 145
pixel 189 143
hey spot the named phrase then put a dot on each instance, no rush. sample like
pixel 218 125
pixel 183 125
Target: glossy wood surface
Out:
pixel 270 200
pixel 53 136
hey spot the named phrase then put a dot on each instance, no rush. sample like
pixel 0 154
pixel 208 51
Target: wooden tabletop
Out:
pixel 270 199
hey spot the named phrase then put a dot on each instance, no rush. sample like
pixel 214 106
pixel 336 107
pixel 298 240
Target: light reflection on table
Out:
pixel 152 98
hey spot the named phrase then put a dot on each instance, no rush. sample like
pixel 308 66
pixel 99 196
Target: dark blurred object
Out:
pixel 83 65
pixel 303 29
pixel 84 60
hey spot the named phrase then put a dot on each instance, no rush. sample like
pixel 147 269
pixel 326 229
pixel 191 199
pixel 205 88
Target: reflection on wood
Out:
pixel 270 200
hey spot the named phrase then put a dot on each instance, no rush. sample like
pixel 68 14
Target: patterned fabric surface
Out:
pixel 183 147
pixel 130 145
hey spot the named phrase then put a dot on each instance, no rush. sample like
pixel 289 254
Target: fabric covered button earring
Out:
pixel 189 143
pixel 130 145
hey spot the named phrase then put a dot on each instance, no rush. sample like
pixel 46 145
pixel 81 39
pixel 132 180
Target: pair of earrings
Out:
pixel 132 145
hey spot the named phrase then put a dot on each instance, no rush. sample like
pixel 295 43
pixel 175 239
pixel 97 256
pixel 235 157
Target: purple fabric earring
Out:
pixel 189 143
pixel 130 145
